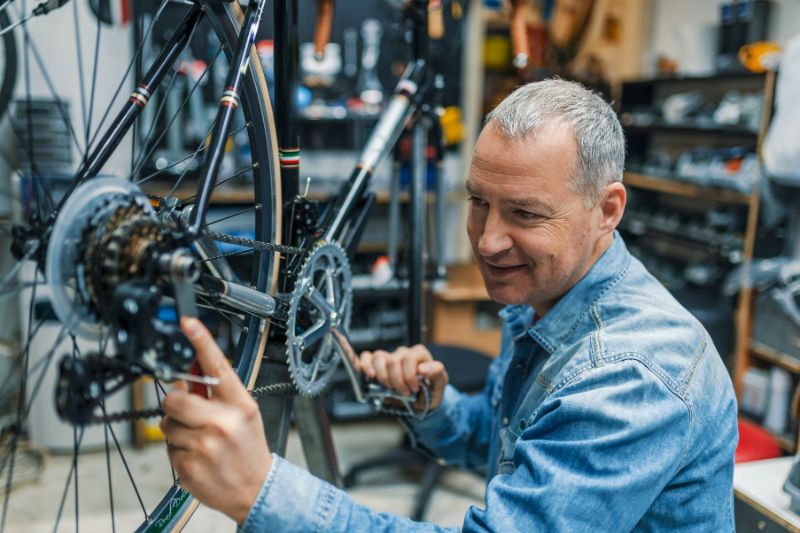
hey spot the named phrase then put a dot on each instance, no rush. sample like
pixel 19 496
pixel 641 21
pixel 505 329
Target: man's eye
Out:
pixel 476 201
pixel 527 215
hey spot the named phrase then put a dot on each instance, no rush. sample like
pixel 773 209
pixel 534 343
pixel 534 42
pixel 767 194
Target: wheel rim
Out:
pixel 169 511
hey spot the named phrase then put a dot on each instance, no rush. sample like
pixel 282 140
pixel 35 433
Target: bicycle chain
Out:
pixel 261 246
pixel 130 416
pixel 275 388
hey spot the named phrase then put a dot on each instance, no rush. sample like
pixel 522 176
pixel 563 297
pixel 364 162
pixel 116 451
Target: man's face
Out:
pixel 532 236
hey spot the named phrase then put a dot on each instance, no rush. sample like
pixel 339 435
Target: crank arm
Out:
pixel 236 296
pixel 373 392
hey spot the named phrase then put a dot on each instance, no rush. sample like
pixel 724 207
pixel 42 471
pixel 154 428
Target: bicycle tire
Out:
pixel 174 508
pixel 9 55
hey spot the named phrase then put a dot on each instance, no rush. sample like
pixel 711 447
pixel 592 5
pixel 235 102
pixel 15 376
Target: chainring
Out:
pixel 322 299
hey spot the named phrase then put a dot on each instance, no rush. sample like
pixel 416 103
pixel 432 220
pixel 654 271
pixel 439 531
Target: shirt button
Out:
pixel 442 462
pixel 504 420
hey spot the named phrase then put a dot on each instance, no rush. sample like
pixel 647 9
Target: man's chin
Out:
pixel 506 295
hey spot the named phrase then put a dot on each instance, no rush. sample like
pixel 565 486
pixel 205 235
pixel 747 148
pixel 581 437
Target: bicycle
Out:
pixel 8 63
pixel 115 254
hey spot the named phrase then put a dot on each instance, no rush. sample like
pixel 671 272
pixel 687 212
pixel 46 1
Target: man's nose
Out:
pixel 495 237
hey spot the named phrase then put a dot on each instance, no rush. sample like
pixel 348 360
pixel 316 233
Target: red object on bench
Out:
pixel 755 443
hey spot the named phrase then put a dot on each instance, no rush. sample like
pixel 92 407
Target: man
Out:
pixel 608 408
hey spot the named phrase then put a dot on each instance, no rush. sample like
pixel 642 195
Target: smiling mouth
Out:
pixel 503 271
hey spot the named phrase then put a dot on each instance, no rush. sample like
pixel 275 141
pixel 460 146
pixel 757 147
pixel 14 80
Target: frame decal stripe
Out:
pixel 230 98
pixel 290 157
pixel 140 96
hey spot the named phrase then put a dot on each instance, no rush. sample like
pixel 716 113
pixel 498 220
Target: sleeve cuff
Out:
pixel 436 419
pixel 291 499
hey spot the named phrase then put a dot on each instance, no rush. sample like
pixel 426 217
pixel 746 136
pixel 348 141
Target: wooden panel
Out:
pixel 454 323
pixel 455 311
pixel 678 188
pixel 617 34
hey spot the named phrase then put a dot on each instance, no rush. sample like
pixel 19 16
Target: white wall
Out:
pixel 54 38
pixel 673 19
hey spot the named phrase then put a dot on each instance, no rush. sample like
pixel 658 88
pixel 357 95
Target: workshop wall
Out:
pixel 681 26
pixel 58 60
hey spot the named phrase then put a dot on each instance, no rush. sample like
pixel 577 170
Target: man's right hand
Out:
pixel 401 369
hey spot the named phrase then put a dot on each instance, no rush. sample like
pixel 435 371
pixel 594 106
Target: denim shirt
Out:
pixel 613 412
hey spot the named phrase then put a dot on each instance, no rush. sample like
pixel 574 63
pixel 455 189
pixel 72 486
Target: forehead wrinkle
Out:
pixel 506 168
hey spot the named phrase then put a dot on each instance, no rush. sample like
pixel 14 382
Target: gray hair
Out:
pixel 598 133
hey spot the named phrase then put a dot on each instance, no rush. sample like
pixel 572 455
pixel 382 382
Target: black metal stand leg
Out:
pixel 276 410
pixel 315 434
pixel 430 479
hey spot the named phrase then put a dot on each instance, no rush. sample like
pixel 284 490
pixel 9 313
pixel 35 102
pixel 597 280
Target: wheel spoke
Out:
pixel 127 469
pixel 243 211
pixel 9 475
pixel 146 155
pixel 31 47
pixel 241 172
pixel 108 471
pixel 194 154
pixel 134 59
pixel 159 110
pixel 69 478
pixel 94 78
pixel 76 449
pixel 81 81
pixel 159 391
pixel 47 360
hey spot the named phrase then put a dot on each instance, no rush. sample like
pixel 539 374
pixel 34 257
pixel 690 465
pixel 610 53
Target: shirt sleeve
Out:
pixel 293 500
pixel 593 457
pixel 458 431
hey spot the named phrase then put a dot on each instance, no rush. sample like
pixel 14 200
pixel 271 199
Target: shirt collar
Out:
pixel 557 324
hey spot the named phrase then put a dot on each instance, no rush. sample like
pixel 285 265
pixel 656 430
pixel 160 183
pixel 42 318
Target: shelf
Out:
pixel 638 224
pixel 711 77
pixel 719 129
pixel 690 190
pixel 766 353
pixel 785 440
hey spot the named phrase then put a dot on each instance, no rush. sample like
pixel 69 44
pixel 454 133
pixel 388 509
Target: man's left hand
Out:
pixel 217 445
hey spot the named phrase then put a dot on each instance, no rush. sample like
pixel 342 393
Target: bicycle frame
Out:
pixel 346 215
pixel 353 201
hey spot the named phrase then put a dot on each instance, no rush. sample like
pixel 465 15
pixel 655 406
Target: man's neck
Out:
pixel 603 244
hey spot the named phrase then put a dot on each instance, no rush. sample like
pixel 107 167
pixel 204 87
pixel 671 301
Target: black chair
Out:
pixel 467 370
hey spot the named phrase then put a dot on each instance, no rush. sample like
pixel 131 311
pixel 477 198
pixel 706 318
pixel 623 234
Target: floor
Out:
pixel 33 508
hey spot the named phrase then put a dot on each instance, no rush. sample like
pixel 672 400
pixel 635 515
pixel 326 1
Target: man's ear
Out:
pixel 612 206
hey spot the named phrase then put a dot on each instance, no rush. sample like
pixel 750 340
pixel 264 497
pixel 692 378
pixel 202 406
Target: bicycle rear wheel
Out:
pixel 8 64
pixel 163 165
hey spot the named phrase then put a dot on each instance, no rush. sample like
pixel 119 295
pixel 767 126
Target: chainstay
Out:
pixel 261 246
